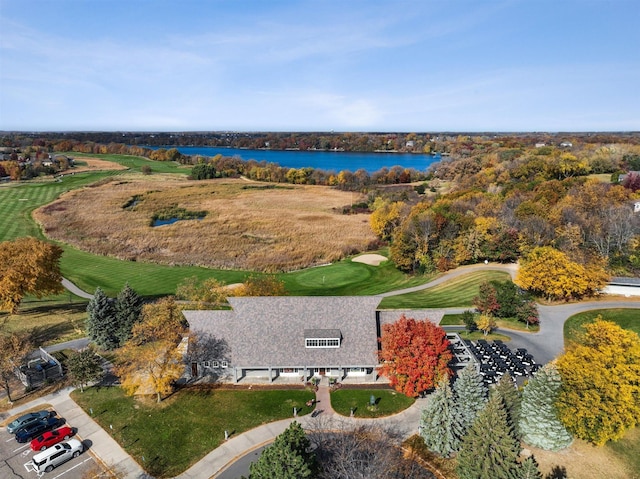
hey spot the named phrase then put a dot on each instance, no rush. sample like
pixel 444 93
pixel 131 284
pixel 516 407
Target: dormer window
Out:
pixel 322 338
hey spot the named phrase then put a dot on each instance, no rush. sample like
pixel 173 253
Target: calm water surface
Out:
pixel 323 160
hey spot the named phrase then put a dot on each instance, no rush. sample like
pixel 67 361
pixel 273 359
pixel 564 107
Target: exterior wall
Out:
pixel 248 375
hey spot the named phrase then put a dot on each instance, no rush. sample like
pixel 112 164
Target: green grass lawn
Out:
pixel 135 163
pixel 459 292
pixel 147 279
pixel 348 278
pixel 625 318
pixel 388 402
pixel 18 200
pixel 175 434
pixel 52 320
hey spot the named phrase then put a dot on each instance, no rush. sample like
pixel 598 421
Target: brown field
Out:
pixel 95 164
pixel 248 225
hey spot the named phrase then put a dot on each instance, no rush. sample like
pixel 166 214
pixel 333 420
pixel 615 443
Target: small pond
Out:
pixel 170 221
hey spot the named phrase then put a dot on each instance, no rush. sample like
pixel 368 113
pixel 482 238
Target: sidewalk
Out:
pixel 98 441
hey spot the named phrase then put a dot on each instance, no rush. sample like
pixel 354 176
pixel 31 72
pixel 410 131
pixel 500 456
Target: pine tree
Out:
pixel 286 458
pixel 440 427
pixel 512 399
pixel 489 450
pixel 128 307
pixel 539 422
pixel 529 469
pixel 101 323
pixel 470 395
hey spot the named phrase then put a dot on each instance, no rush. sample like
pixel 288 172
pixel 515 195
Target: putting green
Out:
pixel 325 278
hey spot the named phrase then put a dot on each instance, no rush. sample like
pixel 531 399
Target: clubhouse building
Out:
pixel 298 337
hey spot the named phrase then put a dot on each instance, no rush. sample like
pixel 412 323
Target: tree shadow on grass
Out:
pixel 558 472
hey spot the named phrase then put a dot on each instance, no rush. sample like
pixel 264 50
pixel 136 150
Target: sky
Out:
pixel 323 65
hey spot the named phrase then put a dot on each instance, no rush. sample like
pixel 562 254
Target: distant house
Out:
pixel 636 206
pixel 540 145
pixel 566 144
pixel 295 338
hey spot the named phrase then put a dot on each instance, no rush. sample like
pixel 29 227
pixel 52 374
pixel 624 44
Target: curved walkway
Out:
pixel 75 290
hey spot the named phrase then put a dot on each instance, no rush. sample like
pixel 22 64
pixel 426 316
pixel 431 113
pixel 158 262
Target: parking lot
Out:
pixel 15 458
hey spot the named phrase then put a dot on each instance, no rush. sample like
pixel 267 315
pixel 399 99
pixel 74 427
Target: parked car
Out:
pixel 49 438
pixel 27 419
pixel 27 433
pixel 45 461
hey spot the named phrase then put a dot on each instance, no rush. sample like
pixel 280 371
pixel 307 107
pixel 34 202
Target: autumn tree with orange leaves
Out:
pixel 28 266
pixel 415 355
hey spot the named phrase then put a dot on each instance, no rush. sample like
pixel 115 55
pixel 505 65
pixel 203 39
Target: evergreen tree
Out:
pixel 489 450
pixel 470 395
pixel 128 307
pixel 286 458
pixel 441 429
pixel 512 398
pixel 84 367
pixel 101 322
pixel 469 320
pixel 539 422
pixel 529 469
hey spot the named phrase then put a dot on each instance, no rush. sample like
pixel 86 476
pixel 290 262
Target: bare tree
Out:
pixel 360 451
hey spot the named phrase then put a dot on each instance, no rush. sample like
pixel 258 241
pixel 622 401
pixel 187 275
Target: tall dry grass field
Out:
pixel 248 225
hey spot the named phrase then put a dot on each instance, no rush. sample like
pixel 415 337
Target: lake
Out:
pixel 321 160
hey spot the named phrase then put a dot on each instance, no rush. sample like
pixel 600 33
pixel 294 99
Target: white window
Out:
pixel 207 364
pixel 322 342
pixel 224 364
pixel 215 364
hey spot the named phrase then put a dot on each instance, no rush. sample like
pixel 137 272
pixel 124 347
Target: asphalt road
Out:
pixel 241 466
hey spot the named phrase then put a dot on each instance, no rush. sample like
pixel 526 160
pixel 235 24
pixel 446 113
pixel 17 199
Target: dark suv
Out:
pixel 27 419
pixel 27 433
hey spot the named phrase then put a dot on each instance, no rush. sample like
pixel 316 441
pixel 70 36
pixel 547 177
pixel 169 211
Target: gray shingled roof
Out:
pixel 322 333
pixel 270 331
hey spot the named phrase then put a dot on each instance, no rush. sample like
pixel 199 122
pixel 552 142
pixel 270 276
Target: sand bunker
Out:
pixel 370 259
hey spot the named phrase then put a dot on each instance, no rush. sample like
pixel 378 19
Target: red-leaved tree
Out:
pixel 415 355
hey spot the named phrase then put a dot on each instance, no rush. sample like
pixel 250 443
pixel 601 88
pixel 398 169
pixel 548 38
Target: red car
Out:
pixel 49 438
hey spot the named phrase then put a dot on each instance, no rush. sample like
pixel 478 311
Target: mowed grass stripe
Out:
pixel 135 163
pixel 17 202
pixel 147 279
pixel 457 293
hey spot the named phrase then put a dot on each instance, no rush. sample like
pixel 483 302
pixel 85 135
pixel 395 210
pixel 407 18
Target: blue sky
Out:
pixel 271 65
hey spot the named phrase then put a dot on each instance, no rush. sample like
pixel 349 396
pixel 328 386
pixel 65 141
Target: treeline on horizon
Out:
pixel 424 143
